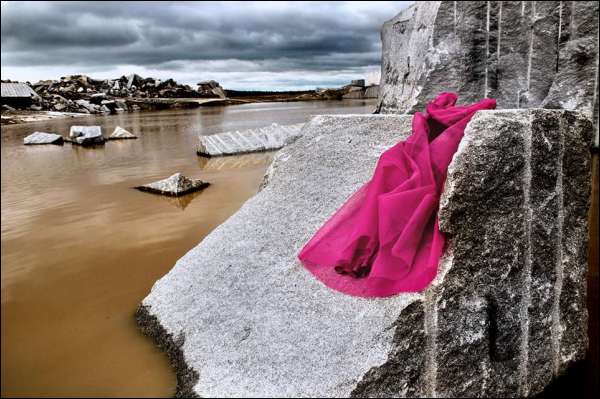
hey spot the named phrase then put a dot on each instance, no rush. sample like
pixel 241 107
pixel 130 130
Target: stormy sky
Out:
pixel 243 45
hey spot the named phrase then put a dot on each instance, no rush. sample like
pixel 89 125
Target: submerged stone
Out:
pixel 86 135
pixel 174 185
pixel 43 138
pixel 505 315
pixel 120 133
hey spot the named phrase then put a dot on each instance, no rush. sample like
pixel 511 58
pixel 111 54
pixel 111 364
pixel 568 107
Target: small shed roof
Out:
pixel 17 90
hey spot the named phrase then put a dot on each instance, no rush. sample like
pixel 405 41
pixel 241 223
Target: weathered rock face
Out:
pixel 86 135
pixel 120 133
pixel 43 138
pixel 268 138
pixel 524 54
pixel 504 316
pixel 513 287
pixel 174 185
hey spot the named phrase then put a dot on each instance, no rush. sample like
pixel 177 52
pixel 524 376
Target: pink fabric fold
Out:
pixel 385 239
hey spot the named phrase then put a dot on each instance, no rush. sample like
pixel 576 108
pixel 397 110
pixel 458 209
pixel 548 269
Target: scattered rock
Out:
pixel 268 138
pixel 43 138
pixel 86 135
pixel 120 133
pixel 174 185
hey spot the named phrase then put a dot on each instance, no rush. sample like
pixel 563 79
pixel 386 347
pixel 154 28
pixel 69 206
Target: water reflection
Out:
pixel 235 162
pixel 81 248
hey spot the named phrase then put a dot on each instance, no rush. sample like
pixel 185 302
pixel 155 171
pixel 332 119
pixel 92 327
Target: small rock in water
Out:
pixel 86 135
pixel 43 138
pixel 174 185
pixel 120 133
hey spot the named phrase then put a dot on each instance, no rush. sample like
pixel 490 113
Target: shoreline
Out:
pixel 18 116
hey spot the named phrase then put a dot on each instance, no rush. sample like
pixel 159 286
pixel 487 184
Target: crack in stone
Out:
pixel 431 330
pixel 555 330
pixel 526 286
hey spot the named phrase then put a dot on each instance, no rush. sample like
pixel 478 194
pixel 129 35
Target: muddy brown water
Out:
pixel 81 248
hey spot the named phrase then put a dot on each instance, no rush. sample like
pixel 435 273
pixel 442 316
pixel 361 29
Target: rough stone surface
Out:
pixel 86 135
pixel 120 133
pixel 255 322
pixel 174 185
pixel 43 138
pixel 268 138
pixel 524 54
pixel 504 317
pixel 510 188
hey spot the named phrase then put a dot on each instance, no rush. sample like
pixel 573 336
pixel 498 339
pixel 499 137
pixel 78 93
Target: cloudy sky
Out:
pixel 243 45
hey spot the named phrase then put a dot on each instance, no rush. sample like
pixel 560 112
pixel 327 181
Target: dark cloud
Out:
pixel 286 36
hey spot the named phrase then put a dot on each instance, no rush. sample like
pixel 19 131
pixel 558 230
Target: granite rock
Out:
pixel 86 135
pixel 174 185
pixel 43 138
pixel 504 317
pixel 120 133
pixel 524 54
pixel 267 138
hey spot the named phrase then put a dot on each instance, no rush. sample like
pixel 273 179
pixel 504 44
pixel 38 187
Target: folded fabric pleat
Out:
pixel 385 239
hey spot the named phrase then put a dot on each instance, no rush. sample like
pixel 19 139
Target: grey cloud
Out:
pixel 317 36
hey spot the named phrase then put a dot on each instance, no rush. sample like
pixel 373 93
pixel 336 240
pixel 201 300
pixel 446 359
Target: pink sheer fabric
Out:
pixel 385 239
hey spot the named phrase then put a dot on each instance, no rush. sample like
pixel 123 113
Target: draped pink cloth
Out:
pixel 385 239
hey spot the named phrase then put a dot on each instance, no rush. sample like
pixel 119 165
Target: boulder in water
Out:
pixel 43 138
pixel 86 135
pixel 120 133
pixel 174 185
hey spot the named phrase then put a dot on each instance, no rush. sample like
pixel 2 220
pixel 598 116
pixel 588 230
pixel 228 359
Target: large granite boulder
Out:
pixel 240 316
pixel 86 135
pixel 43 138
pixel 524 54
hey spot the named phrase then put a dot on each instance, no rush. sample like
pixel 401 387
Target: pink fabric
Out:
pixel 385 239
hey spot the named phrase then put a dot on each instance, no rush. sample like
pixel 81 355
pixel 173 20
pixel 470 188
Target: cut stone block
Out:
pixel 268 138
pixel 523 54
pixel 86 135
pixel 43 138
pixel 174 185
pixel 241 317
pixel 119 133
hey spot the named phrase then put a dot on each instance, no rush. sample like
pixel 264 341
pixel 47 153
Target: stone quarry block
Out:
pixel 505 316
pixel 268 138
pixel 86 135
pixel 524 54
pixel 174 185
pixel 120 134
pixel 43 138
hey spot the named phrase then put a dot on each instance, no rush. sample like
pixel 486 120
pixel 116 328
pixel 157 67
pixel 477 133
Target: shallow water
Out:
pixel 81 248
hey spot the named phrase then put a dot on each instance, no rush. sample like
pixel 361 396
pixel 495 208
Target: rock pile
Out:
pixel 80 93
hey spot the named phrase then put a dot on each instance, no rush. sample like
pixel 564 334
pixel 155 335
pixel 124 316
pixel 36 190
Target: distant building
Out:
pixel 18 94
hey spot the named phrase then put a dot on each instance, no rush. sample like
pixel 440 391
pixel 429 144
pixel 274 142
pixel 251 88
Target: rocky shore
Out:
pixel 82 95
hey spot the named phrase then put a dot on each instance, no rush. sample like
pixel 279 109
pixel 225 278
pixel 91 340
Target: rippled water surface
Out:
pixel 81 248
